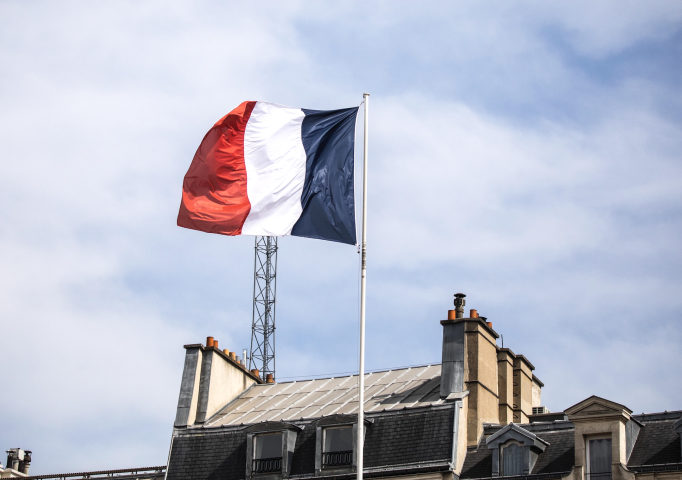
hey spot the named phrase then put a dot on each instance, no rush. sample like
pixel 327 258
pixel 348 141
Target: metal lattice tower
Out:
pixel 264 290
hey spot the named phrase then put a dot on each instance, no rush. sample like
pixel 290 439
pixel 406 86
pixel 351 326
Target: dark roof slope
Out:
pixel 217 456
pixel 657 442
pixel 558 456
pixel 478 462
pixel 394 439
pixel 409 437
pixel 304 452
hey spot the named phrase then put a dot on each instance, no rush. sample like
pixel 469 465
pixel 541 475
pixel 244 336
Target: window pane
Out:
pixel 268 446
pixel 512 463
pixel 338 439
pixel 600 459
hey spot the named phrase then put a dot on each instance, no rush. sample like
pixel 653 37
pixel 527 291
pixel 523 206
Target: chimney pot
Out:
pixel 473 313
pixel 269 378
pixel 209 342
pixel 256 372
pixel 452 314
pixel 233 356
pixel 485 319
pixel 226 351
pixel 215 344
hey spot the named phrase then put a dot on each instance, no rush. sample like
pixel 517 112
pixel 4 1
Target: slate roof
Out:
pixel 411 430
pixel 657 442
pixel 387 390
pixel 559 456
pixel 221 455
pixel 406 438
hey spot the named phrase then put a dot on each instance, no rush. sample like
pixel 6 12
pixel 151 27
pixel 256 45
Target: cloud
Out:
pixel 502 164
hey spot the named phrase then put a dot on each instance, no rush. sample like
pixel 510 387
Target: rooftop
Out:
pixel 386 390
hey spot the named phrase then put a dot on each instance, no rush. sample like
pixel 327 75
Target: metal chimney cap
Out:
pixel 459 304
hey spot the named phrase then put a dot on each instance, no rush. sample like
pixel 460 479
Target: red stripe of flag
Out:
pixel 214 197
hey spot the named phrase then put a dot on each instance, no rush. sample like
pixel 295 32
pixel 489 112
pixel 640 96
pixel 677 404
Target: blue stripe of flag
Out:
pixel 328 195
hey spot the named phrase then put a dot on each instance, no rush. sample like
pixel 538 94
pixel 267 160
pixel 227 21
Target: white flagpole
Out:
pixel 363 286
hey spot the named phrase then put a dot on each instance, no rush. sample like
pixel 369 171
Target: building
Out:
pixel 18 463
pixel 476 415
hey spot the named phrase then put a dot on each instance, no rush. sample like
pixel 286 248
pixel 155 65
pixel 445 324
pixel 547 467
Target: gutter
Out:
pixel 377 472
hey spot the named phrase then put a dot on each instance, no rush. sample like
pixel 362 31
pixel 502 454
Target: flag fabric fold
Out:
pixel 267 169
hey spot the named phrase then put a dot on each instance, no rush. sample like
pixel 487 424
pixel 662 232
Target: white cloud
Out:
pixel 497 167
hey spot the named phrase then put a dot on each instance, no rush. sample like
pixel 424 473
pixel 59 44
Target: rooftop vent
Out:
pixel 540 410
pixel 19 460
pixel 459 304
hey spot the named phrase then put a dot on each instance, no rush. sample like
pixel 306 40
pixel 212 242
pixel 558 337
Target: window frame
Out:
pixel 327 467
pixel 502 448
pixel 588 460
pixel 288 432
pixel 334 421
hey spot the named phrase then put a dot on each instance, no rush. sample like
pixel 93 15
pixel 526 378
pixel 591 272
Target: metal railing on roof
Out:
pixel 535 476
pixel 657 467
pixel 147 473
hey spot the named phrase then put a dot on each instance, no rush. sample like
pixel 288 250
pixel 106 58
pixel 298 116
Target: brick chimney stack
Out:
pixel 470 366
pixel 210 379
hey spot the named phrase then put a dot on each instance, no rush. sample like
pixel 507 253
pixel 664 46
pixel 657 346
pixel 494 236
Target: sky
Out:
pixel 525 153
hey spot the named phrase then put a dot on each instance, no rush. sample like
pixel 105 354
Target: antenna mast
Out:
pixel 264 291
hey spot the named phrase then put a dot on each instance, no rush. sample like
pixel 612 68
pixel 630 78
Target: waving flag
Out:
pixel 267 169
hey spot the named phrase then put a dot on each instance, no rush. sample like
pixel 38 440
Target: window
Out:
pixel 598 459
pixel 337 447
pixel 512 459
pixel 267 456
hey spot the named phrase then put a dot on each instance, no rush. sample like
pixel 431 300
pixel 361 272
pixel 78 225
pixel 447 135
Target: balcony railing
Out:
pixel 267 465
pixel 337 459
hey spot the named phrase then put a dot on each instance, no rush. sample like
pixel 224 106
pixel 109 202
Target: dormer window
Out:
pixel 270 449
pixel 267 453
pixel 515 451
pixel 599 458
pixel 336 444
pixel 337 450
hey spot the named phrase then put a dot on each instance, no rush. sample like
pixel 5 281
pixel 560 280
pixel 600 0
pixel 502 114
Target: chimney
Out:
pixel 452 369
pixel 269 378
pixel 505 384
pixel 470 364
pixel 26 464
pixel 19 460
pixel 210 380
pixel 523 389
pixel 537 393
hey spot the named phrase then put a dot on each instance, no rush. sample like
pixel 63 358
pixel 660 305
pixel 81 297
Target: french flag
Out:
pixel 267 169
